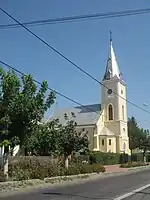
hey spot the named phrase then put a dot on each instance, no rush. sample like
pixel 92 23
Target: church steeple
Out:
pixel 112 68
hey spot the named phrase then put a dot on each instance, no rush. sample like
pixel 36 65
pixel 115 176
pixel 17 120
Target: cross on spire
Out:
pixel 110 35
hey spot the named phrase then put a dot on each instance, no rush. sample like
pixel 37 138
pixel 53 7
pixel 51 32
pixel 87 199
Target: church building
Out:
pixel 105 123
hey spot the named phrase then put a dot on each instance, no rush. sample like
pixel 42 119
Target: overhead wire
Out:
pixel 71 62
pixel 69 19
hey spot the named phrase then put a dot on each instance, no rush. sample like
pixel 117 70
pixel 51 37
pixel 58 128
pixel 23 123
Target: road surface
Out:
pixel 110 188
pixel 142 195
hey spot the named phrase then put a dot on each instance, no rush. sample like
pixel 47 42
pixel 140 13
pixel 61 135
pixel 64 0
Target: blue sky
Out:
pixel 85 43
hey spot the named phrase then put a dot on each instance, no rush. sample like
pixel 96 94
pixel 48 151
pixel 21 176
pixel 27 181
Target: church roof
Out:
pixel 112 67
pixel 87 115
pixel 106 132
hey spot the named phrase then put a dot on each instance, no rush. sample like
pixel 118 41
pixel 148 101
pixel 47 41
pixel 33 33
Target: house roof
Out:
pixel 87 115
pixel 105 131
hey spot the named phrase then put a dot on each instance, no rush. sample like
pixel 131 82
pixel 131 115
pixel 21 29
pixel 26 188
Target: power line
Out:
pixel 71 62
pixel 76 18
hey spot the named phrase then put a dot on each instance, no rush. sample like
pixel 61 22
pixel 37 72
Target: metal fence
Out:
pixel 41 159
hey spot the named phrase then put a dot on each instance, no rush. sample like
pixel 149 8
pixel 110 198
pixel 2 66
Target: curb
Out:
pixel 141 167
pixel 69 177
pixel 136 168
pixel 35 183
pixel 129 171
pixel 16 185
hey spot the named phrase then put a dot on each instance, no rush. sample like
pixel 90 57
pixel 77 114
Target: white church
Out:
pixel 105 123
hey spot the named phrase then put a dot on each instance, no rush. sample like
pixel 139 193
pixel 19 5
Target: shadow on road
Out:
pixel 142 192
pixel 74 195
pixel 85 197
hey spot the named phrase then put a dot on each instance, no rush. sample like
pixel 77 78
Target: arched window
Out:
pixel 123 113
pixel 110 112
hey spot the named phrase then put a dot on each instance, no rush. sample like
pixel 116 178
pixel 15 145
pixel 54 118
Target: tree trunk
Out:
pixel 5 165
pixel 66 162
pixel 131 155
pixel 144 157
pixel 26 152
pixel 52 159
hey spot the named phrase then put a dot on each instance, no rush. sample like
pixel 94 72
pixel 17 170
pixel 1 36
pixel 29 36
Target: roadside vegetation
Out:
pixel 23 105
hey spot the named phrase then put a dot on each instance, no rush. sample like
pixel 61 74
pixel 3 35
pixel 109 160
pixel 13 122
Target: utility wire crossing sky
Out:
pixel 70 19
pixel 74 64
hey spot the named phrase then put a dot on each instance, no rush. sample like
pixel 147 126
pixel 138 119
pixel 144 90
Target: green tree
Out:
pixel 69 140
pixel 31 105
pixel 144 142
pixel 9 87
pixel 55 139
pixel 133 133
pixel 22 106
pixel 42 141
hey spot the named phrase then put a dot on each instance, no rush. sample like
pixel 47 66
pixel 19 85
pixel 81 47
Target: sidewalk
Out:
pixel 114 168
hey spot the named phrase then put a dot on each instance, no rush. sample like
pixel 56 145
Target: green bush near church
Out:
pixel 115 158
pixel 101 158
pixel 104 158
pixel 108 158
pixel 133 164
pixel 136 157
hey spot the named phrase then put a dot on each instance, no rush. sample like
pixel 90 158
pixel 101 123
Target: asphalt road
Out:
pixel 142 195
pixel 101 189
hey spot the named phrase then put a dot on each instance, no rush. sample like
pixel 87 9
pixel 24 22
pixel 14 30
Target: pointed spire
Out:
pixel 112 68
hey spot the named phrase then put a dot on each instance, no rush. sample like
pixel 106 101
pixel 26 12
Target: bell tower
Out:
pixel 113 102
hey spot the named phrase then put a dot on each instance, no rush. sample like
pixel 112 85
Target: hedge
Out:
pixel 33 169
pixel 136 157
pixel 108 158
pixel 133 164
pixel 111 158
pixel 2 177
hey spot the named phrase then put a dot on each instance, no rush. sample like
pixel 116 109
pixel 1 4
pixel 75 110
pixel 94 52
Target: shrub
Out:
pixel 148 157
pixel 98 168
pixel 133 164
pixel 2 176
pixel 136 157
pixel 124 158
pixel 28 169
pixel 85 169
pixel 92 158
pixel 104 158
pixel 72 170
pixel 80 158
